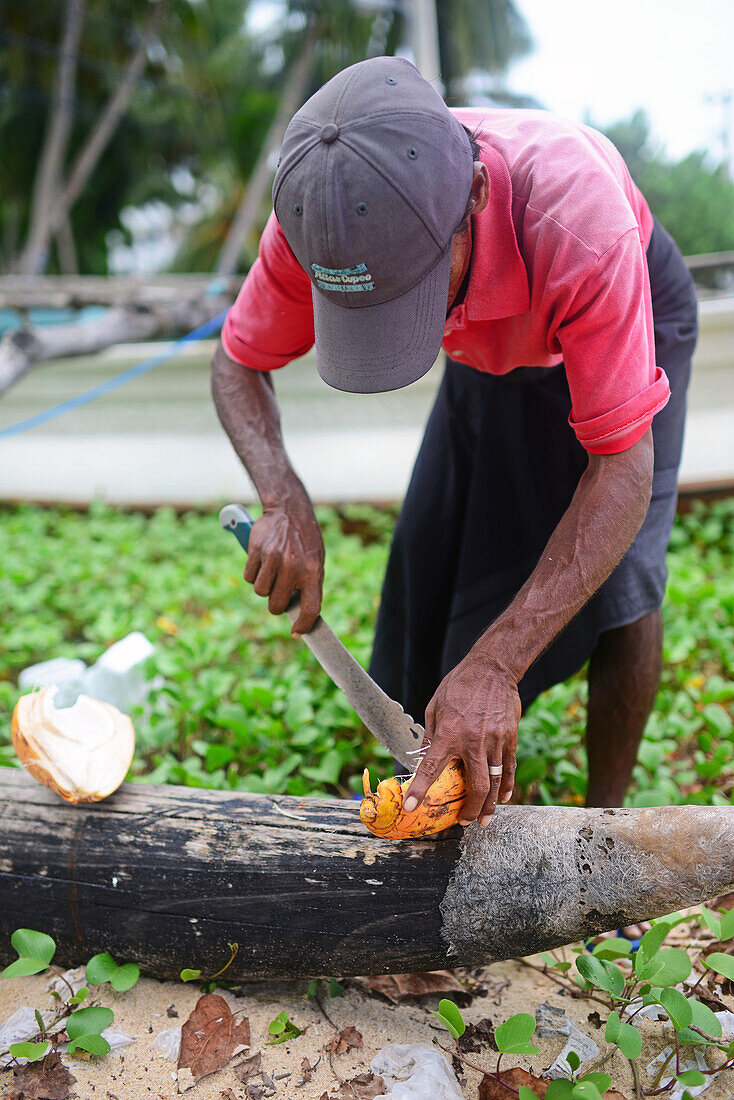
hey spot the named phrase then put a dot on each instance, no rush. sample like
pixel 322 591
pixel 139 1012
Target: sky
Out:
pixel 609 59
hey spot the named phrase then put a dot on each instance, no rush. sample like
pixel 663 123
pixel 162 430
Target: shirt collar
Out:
pixel 498 281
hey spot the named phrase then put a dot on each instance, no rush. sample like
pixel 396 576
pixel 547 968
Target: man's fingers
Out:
pixel 252 565
pixel 280 593
pixel 428 772
pixel 509 767
pixel 266 577
pixel 310 607
pixel 495 780
pixel 477 778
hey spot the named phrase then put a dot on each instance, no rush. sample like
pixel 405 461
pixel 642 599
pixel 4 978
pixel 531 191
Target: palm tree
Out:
pixel 332 35
pixel 315 40
pixel 484 35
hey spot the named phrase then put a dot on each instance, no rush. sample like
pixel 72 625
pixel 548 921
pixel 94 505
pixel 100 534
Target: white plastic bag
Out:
pixel 686 1063
pixel 554 1021
pixel 117 677
pixel 416 1071
pixel 63 672
pixel 20 1027
pixel 169 1041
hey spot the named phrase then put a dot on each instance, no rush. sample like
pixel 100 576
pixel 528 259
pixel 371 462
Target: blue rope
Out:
pixel 200 333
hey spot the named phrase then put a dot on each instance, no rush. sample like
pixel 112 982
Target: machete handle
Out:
pixel 236 518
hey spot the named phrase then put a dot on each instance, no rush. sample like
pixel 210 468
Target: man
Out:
pixel 520 242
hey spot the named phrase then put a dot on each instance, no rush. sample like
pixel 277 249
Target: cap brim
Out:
pixel 371 349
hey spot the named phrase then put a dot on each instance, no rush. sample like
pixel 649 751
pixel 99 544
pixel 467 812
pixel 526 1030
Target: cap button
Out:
pixel 329 133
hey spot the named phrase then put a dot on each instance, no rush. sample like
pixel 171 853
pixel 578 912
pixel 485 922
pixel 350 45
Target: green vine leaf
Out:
pixel 32 1051
pixel 705 1018
pixel 678 1008
pixel 450 1016
pixel 672 966
pixel 100 968
pixel 721 963
pixel 601 973
pixel 612 1030
pixel 629 1041
pixel 602 1081
pixel 84 1029
pixel 104 968
pixel 513 1036
pixel 35 951
pixel 125 977
pixel 189 975
pixel 691 1077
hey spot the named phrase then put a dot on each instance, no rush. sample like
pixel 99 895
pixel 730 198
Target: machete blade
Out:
pixel 383 716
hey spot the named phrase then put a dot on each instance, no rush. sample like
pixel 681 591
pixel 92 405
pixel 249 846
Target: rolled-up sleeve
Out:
pixel 271 321
pixel 609 351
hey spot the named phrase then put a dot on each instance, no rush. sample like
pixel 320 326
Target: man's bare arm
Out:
pixel 605 514
pixel 475 711
pixel 286 549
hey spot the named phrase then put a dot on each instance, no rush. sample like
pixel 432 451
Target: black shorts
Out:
pixel 496 470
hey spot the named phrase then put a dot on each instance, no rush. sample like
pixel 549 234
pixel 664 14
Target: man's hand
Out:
pixel 473 717
pixel 475 712
pixel 286 550
pixel 286 553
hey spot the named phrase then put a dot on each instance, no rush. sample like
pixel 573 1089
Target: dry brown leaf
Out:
pixel 306 1073
pixel 365 1086
pixel 476 1036
pixel 491 1088
pixel 250 1067
pixel 709 999
pixel 228 1094
pixel 209 1038
pixel 46 1080
pixel 344 1040
pixel 405 987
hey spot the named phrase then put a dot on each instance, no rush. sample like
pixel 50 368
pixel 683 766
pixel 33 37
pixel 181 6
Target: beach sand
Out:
pixel 141 1070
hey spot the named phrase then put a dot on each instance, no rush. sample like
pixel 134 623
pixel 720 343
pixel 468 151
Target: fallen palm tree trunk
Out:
pixel 150 318
pixel 168 876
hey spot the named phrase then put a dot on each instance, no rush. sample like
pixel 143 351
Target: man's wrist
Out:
pixel 288 495
pixel 496 655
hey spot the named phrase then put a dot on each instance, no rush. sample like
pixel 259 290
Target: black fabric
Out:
pixel 497 468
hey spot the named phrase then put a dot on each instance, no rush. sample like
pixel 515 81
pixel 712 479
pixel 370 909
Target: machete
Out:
pixel 382 716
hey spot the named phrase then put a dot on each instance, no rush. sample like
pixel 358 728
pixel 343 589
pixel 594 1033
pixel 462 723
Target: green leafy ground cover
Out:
pixel 242 706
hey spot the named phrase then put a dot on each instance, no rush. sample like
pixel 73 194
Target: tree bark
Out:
pixel 169 876
pixel 53 153
pixel 424 26
pixel 260 177
pixel 97 141
pixel 74 291
pixel 66 248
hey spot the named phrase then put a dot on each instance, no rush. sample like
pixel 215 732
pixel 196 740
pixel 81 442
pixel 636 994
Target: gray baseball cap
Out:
pixel 374 178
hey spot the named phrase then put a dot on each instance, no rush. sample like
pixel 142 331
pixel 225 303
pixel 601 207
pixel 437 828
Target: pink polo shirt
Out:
pixel 558 273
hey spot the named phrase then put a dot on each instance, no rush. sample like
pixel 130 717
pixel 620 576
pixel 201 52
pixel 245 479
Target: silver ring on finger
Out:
pixel 495 769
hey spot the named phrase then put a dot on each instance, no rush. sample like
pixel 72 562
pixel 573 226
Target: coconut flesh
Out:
pixel 82 752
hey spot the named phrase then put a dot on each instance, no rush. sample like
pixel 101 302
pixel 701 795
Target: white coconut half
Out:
pixel 82 752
